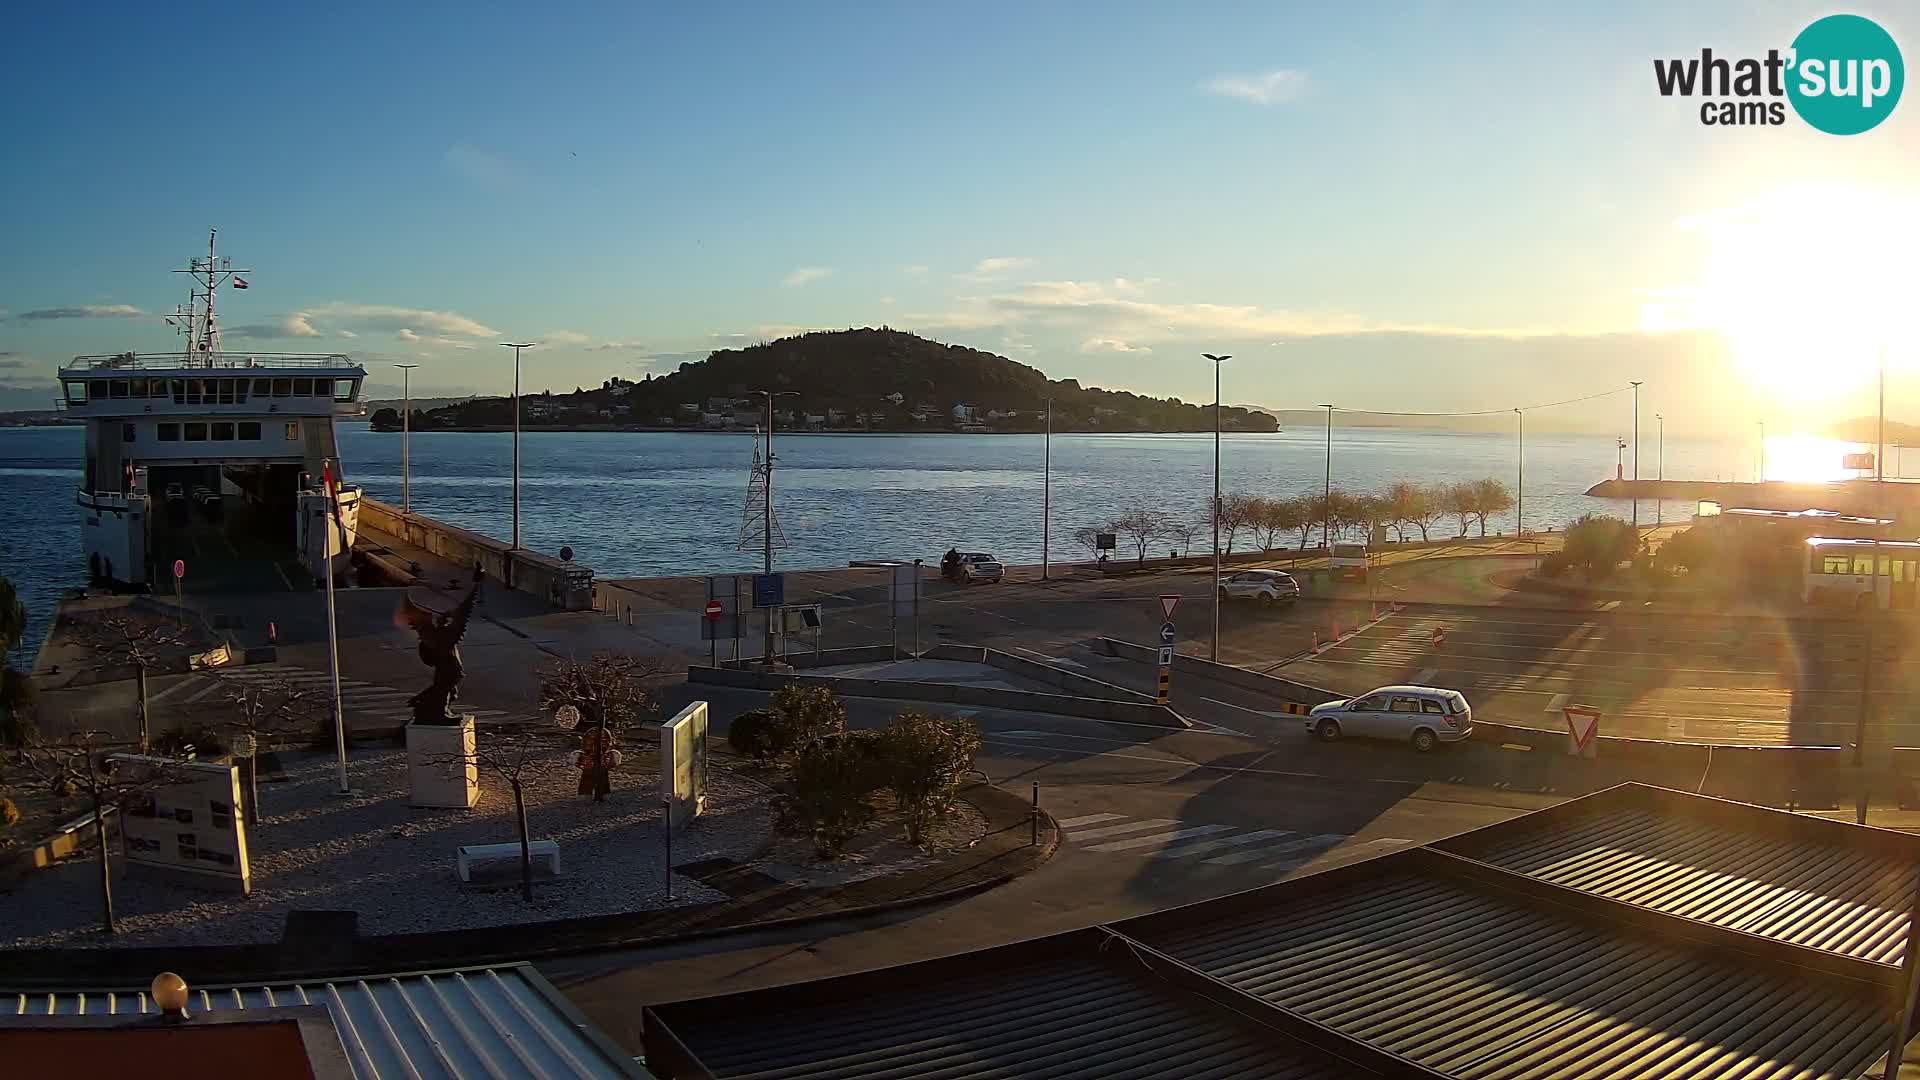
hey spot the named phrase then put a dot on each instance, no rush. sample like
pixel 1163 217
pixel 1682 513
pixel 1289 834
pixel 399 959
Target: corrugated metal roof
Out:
pixel 1475 983
pixel 1819 885
pixel 503 1022
pixel 1037 1011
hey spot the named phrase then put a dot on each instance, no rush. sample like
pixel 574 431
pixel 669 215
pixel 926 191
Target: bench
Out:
pixel 497 859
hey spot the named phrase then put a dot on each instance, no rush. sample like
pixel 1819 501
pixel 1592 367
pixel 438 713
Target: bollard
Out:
pixel 1336 631
pixel 1033 818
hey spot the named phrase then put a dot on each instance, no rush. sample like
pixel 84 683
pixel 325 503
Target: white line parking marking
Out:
pixel 1121 830
pixel 1325 840
pixel 1161 838
pixel 1086 819
pixel 1203 846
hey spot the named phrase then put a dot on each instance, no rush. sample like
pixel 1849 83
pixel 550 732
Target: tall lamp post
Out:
pixel 1761 476
pixel 516 347
pixel 1326 495
pixel 406 437
pixel 1217 361
pixel 1520 482
pixel 1873 601
pixel 1660 504
pixel 1046 495
pixel 1636 464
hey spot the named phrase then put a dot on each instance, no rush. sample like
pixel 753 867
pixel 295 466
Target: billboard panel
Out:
pixel 189 821
pixel 683 765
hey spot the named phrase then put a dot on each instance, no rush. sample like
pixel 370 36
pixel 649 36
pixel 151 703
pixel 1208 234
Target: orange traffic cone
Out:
pixel 1336 630
pixel 1316 641
pixel 1376 613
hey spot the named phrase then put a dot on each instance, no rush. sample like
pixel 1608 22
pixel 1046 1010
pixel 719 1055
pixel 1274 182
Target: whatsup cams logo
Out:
pixel 1843 75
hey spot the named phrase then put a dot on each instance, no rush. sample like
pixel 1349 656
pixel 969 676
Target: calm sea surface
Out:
pixel 669 503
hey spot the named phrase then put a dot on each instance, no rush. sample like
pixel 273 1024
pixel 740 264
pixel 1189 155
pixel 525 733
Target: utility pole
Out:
pixel 1761 476
pixel 1046 494
pixel 1660 503
pixel 1873 603
pixel 406 437
pixel 1520 483
pixel 766 517
pixel 1326 495
pixel 1217 361
pixel 516 347
pixel 330 483
pixel 1636 464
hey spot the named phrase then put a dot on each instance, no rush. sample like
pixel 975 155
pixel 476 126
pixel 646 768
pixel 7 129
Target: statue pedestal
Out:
pixel 440 767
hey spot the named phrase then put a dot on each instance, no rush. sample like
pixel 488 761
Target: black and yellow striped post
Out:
pixel 1162 696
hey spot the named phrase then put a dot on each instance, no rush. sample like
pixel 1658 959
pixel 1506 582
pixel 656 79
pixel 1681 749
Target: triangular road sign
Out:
pixel 1583 721
pixel 1167 604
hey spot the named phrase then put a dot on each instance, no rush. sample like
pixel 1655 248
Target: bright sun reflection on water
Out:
pixel 1808 458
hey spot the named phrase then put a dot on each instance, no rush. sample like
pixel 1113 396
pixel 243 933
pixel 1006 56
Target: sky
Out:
pixel 1408 207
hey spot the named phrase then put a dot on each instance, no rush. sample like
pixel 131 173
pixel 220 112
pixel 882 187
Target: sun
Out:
pixel 1807 285
pixel 1807 459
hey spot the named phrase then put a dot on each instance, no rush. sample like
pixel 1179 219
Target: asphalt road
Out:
pixel 1663 675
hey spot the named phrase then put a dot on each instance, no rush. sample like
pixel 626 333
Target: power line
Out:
pixel 1491 412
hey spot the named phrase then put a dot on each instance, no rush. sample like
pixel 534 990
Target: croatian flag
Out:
pixel 333 497
pixel 239 282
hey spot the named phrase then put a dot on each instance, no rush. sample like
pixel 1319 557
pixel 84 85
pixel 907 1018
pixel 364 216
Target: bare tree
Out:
pixel 123 639
pixel 262 715
pixel 1236 514
pixel 1460 502
pixel 506 753
pixel 1313 511
pixel 1142 528
pixel 608 688
pixel 79 766
pixel 1490 496
pixel 1186 532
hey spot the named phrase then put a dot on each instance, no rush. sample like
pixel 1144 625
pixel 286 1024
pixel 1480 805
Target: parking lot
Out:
pixel 1685 677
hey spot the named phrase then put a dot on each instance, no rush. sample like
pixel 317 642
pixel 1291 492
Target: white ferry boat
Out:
pixel 210 453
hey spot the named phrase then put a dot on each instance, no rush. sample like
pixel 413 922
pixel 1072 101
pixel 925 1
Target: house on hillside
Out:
pixel 964 414
pixel 689 408
pixel 895 398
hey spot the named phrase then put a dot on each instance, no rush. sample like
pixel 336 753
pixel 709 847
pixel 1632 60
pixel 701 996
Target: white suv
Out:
pixel 1266 586
pixel 1425 716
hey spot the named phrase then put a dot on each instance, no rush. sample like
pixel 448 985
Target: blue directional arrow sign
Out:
pixel 1166 633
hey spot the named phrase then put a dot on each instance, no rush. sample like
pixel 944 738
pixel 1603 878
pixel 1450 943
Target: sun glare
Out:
pixel 1807 459
pixel 1807 287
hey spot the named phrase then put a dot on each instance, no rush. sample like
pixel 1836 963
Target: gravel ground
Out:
pixel 373 854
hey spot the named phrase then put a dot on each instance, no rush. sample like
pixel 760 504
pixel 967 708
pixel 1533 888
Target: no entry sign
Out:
pixel 713 611
pixel 179 568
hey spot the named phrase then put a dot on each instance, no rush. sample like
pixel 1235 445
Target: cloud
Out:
pixel 389 317
pixel 482 167
pixel 298 326
pixel 406 334
pixel 1096 344
pixel 807 275
pixel 1099 310
pixel 565 338
pixel 617 346
pixel 11 362
pixel 345 334
pixel 83 311
pixel 987 267
pixel 1276 87
pixel 285 326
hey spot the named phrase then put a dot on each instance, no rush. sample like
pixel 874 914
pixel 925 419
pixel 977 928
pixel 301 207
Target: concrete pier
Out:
pixel 399 542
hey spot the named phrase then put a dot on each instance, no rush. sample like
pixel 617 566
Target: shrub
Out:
pixel 925 760
pixel 827 795
pixel 1555 564
pixel 753 735
pixel 1599 544
pixel 806 715
pixel 9 813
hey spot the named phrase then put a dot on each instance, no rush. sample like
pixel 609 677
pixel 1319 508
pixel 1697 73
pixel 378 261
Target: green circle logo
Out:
pixel 1846 75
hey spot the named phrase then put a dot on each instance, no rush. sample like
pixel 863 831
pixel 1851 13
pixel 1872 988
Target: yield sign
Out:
pixel 1167 604
pixel 1583 723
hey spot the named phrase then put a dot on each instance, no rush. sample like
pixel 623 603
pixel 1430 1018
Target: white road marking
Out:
pixel 1421 677
pixel 1121 830
pixel 1203 846
pixel 1557 702
pixel 1086 819
pixel 1323 840
pixel 1161 838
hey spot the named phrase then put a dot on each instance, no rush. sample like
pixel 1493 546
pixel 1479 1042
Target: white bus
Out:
pixel 1840 570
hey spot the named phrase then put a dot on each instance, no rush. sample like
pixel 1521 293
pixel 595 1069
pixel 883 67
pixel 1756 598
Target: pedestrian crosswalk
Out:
pixel 1211 844
pixel 366 705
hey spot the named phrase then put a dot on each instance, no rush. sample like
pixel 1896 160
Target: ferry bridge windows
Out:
pixel 117 388
pixel 137 388
pixel 169 432
pixel 223 431
pixel 293 430
pixel 76 393
pixel 249 430
pixel 196 432
pixel 282 387
pixel 179 391
pixel 263 388
pixel 127 433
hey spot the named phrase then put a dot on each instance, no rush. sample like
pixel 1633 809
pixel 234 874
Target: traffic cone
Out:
pixel 1336 630
pixel 1376 613
pixel 1316 641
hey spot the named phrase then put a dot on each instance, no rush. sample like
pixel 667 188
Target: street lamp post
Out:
pixel 1046 495
pixel 1761 476
pixel 1660 503
pixel 1873 597
pixel 1520 482
pixel 516 347
pixel 1636 463
pixel 1217 361
pixel 1326 496
pixel 406 437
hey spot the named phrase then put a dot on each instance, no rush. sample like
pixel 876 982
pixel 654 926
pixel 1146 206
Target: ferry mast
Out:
pixel 196 320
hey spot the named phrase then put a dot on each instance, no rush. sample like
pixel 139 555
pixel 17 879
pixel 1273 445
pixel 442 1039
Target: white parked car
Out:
pixel 1425 716
pixel 1265 586
pixel 1349 560
pixel 977 567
